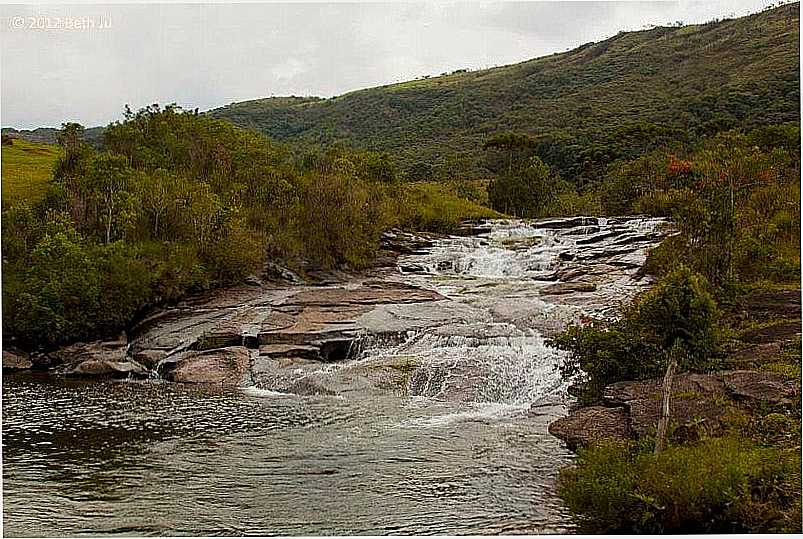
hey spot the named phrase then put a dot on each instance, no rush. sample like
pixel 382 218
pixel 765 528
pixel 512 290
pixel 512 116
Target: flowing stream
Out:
pixel 458 446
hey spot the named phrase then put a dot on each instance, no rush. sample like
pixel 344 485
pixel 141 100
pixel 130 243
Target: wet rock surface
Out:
pixel 16 360
pixel 698 401
pixel 470 312
pixel 590 424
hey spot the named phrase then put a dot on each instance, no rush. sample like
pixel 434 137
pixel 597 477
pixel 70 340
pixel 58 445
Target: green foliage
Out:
pixel 719 485
pixel 176 202
pixel 348 233
pixel 679 309
pixel 734 200
pixel 434 207
pixel 525 191
pixel 677 316
pixel 70 289
pixel 27 170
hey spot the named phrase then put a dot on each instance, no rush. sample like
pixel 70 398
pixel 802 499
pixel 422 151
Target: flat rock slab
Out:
pixel 590 424
pixel 761 387
pixel 363 295
pixel 401 318
pixel 568 288
pixel 773 304
pixel 697 400
pixel 103 368
pixel 113 351
pixel 14 360
pixel 276 351
pixel 223 366
pixel 775 332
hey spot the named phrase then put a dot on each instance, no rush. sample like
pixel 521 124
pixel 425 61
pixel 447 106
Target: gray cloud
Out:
pixel 210 55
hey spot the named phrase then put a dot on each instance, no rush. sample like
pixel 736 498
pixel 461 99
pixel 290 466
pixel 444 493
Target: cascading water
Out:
pixel 428 428
pixel 506 361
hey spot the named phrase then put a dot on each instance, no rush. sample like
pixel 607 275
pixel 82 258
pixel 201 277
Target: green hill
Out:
pixel 27 168
pixel 601 101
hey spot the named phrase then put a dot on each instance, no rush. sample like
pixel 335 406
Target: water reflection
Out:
pixel 156 459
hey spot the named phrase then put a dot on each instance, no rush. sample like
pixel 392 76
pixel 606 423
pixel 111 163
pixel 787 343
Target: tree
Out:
pixel 525 192
pixel 158 193
pixel 71 137
pixel 510 142
pixel 108 184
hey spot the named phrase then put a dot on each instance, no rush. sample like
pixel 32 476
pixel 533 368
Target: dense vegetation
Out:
pixel 718 485
pixel 734 199
pixel 178 202
pixel 604 101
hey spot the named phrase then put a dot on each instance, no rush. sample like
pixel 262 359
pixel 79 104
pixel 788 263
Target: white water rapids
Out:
pixel 507 276
pixel 437 423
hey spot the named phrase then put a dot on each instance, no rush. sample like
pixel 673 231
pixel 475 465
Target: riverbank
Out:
pixel 733 442
pixel 268 328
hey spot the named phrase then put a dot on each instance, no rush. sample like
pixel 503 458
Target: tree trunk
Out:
pixel 109 227
pixel 663 420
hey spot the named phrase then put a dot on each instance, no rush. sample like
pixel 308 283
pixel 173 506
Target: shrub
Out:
pixel 332 220
pixel 717 485
pixel 678 311
pixel 434 207
pixel 232 254
pixel 525 191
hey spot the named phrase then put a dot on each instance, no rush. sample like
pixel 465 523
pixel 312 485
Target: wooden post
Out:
pixel 663 420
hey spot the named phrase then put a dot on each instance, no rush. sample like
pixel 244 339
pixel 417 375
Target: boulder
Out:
pixel 16 360
pixel 558 289
pixel 760 387
pixel 104 368
pixel 150 358
pixel 589 424
pixel 275 272
pixel 224 366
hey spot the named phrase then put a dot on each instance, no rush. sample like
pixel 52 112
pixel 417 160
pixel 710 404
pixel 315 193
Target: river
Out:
pixel 462 448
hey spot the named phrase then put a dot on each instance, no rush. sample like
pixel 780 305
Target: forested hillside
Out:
pixel 614 99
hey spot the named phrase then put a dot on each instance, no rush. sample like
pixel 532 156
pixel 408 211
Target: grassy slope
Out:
pixel 744 70
pixel 27 168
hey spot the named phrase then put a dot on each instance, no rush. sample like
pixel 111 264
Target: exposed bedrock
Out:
pixel 632 409
pixel 467 325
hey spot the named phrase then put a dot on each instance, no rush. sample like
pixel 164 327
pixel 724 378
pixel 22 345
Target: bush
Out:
pixel 678 311
pixel 436 208
pixel 332 221
pixel 719 485
pixel 525 191
pixel 233 253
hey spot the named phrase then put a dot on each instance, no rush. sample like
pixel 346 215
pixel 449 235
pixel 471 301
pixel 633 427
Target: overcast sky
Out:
pixel 211 55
